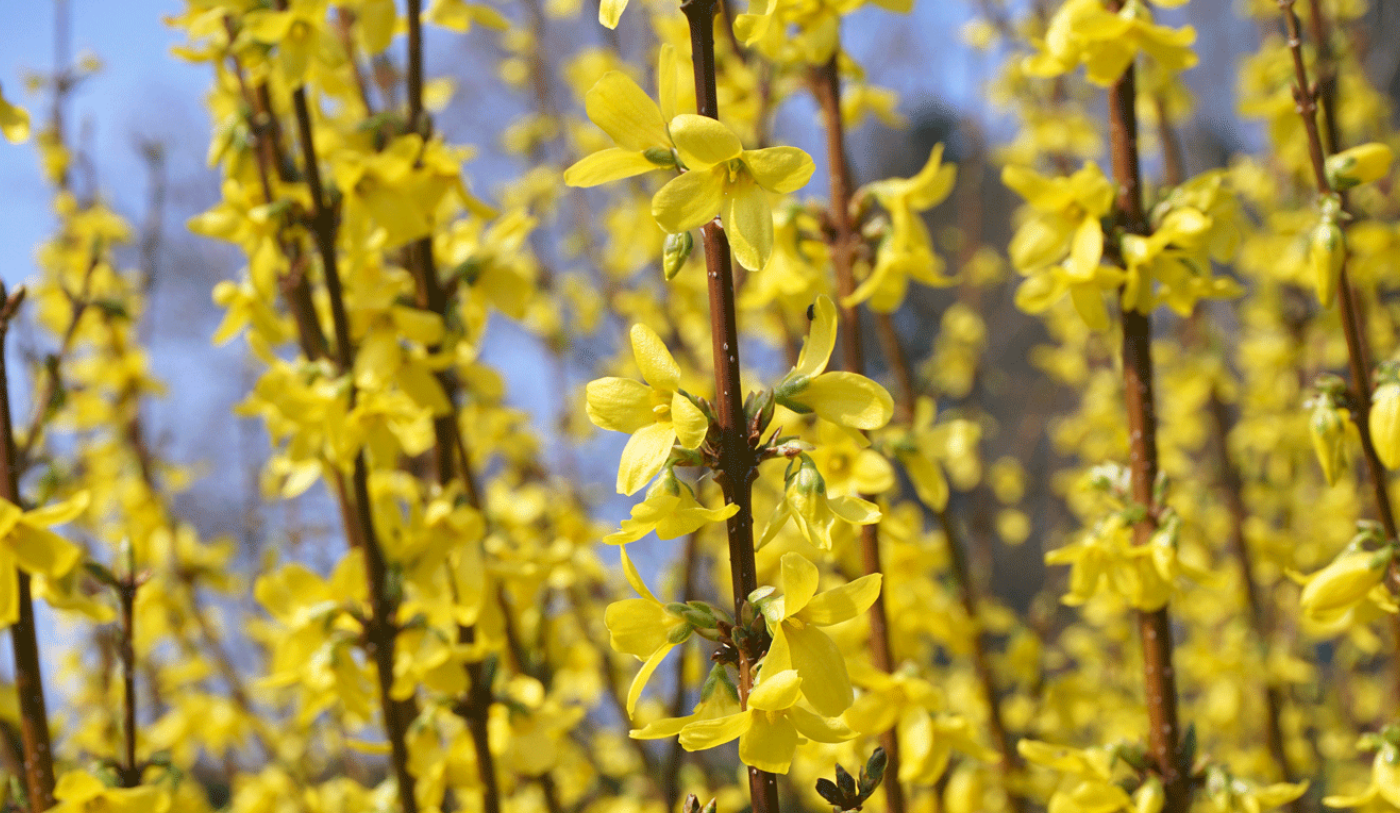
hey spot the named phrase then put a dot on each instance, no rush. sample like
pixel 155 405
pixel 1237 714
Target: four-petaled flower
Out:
pixel 724 179
pixel 671 510
pixel 656 416
pixel 643 627
pixel 848 400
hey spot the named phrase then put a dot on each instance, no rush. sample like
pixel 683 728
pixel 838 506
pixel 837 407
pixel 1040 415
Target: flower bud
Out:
pixel 1345 582
pixel 1358 165
pixel 1328 429
pixel 675 252
pixel 1385 424
pixel 660 156
pixel 1327 251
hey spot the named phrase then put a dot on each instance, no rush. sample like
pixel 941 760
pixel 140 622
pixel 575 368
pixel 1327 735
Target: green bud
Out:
pixel 660 156
pixel 676 251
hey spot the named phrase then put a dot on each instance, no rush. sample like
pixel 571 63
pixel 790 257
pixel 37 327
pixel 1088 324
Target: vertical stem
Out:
pixel 1154 626
pixel 29 676
pixel 382 628
pixel 738 467
pixel 826 85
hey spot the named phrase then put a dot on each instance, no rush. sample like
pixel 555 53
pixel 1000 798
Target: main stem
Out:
pixel 381 628
pixel 826 85
pixel 1154 626
pixel 737 463
pixel 29 676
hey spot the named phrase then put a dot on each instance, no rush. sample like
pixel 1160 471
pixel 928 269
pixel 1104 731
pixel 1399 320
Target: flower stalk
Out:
pixel 738 465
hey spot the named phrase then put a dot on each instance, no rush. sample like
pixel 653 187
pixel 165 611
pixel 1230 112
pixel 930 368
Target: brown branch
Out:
pixel 381 628
pixel 737 464
pixel 1154 626
pixel 29 676
pixel 826 86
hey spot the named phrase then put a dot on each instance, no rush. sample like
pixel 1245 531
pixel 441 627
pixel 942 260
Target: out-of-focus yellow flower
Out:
pixel 1085 32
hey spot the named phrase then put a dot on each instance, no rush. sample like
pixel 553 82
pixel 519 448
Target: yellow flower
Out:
pixel 656 416
pixel 1344 583
pixel 908 250
pixel 816 512
pixel 302 38
pixel 1083 31
pixel 1384 422
pixel 846 399
pixel 79 792
pixel 793 619
pixel 718 698
pixel 644 628
pixel 770 729
pixel 26 543
pixel 724 179
pixel 14 122
pixel 671 510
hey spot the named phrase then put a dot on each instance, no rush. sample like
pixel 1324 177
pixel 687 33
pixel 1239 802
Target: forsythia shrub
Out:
pixel 829 583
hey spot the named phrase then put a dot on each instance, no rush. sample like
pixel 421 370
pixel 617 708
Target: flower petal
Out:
pixel 626 113
pixel 689 201
pixel 748 220
pixel 644 456
pixel 798 579
pixel 640 681
pixel 619 404
pixel 41 551
pixel 610 11
pixel 611 164
pixel 817 728
pixel 657 364
pixel 848 399
pixel 842 603
pixel 704 142
pixel 769 744
pixel 777 691
pixel 690 423
pixel 703 734
pixel 817 659
pixel 821 340
pixel 629 571
pixel 780 169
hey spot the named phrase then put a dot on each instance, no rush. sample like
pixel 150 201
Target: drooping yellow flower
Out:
pixel 724 179
pixel 26 543
pixel 644 628
pixel 793 620
pixel 671 510
pixel 815 511
pixel 655 414
pixel 771 728
pixel 1361 164
pixel 848 400
pixel 907 252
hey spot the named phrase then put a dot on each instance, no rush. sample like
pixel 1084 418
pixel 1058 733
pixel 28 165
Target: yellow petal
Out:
pixel 769 744
pixel 59 513
pixel 657 364
pixel 643 456
pixel 848 399
pixel 779 169
pixel 817 659
pixel 748 220
pixel 820 341
pixel 777 691
pixel 934 182
pixel 42 551
pixel 611 164
pixel 640 681
pixel 638 626
pixel 690 423
pixel 625 112
pixel 689 201
pixel 703 734
pixel 629 571
pixel 619 404
pixel 9 588
pixel 821 729
pixel 798 580
pixel 14 122
pixel 704 142
pixel 610 11
pixel 842 603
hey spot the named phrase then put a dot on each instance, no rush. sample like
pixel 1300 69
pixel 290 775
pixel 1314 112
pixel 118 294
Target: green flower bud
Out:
pixel 676 251
pixel 1328 429
pixel 1358 165
pixel 660 156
